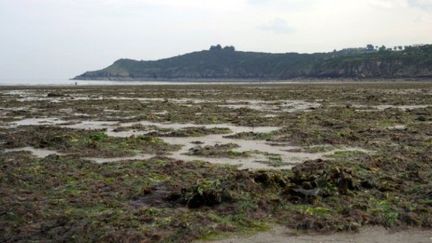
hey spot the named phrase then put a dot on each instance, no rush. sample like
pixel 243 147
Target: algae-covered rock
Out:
pixel 218 150
pixel 206 193
pixel 55 95
pixel 271 178
pixel 319 178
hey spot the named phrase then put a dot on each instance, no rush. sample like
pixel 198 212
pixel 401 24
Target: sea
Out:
pixel 68 82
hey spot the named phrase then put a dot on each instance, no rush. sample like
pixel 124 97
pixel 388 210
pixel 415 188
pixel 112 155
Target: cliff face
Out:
pixel 413 62
pixel 385 65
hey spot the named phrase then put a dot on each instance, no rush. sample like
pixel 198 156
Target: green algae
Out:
pixel 65 198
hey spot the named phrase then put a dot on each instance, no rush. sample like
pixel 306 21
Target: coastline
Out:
pixel 83 83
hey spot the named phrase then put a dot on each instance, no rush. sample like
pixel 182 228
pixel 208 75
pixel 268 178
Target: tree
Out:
pixel 370 47
pixel 229 48
pixel 382 48
pixel 216 48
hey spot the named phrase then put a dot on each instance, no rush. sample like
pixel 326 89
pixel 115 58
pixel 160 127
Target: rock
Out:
pixel 206 193
pixel 421 118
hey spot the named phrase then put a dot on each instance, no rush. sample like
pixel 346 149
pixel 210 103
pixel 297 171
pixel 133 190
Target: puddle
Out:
pixel 43 97
pixel 260 105
pixel 24 92
pixel 402 107
pixel 259 150
pixel 20 108
pixel 42 153
pixel 373 108
pixel 397 127
pixel 119 159
pixel 39 153
pixel 93 125
pixel 38 121
pixel 289 155
pixel 176 126
pixel 112 125
pixel 272 106
pixel 161 113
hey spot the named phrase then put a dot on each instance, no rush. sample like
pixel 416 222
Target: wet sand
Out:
pixel 366 235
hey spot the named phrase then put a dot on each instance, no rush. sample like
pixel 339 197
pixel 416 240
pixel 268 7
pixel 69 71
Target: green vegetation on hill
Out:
pixel 227 63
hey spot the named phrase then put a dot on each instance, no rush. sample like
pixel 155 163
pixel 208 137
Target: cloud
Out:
pixel 278 26
pixel 184 4
pixel 388 4
pixel 283 4
pixel 391 4
pixel 423 4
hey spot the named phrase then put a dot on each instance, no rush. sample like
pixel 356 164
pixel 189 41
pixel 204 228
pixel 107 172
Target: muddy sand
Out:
pixel 366 235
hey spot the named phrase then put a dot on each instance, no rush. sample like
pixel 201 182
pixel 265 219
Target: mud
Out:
pixel 367 235
pixel 39 153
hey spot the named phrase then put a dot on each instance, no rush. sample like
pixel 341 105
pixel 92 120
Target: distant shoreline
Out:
pixel 224 80
pixel 84 83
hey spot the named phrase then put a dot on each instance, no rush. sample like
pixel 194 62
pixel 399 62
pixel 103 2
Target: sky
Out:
pixel 59 39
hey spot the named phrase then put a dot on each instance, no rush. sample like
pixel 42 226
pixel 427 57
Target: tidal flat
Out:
pixel 209 162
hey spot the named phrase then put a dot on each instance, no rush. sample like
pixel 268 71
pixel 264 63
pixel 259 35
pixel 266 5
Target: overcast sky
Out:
pixel 63 38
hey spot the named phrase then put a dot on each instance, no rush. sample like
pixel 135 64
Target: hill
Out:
pixel 219 63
